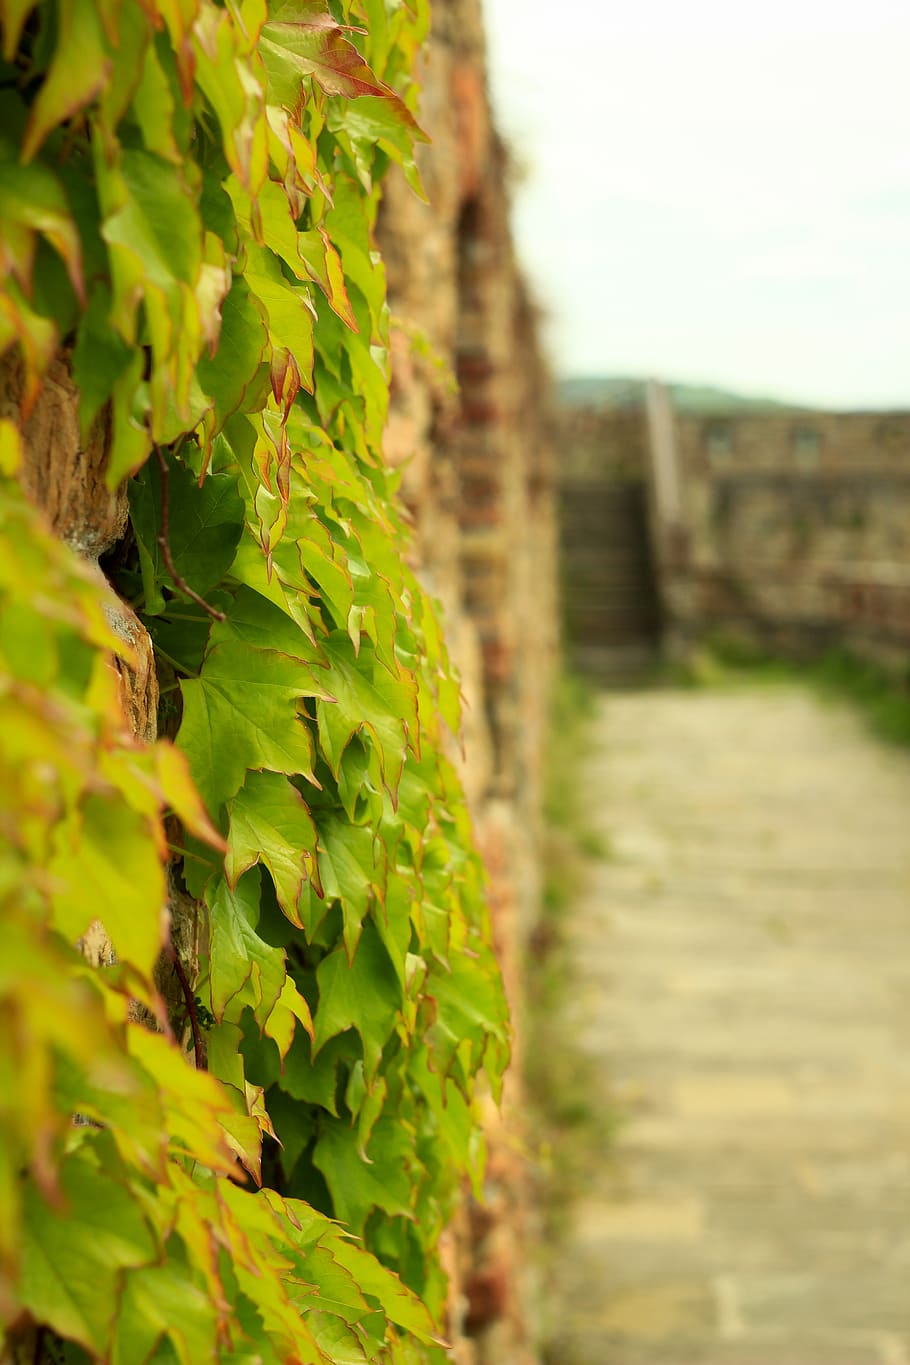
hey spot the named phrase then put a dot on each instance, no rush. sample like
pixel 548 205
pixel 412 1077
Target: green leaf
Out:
pixel 314 1080
pixel 15 13
pixel 162 1301
pixel 100 358
pixel 364 994
pixel 372 122
pixel 105 866
pixel 72 1266
pixel 33 202
pixel 205 525
pixel 314 46
pixel 227 375
pixel 350 873
pixel 287 306
pixel 80 68
pixel 152 225
pixel 387 1180
pixel 243 968
pixel 256 621
pixel 392 919
pixel 315 555
pixel 290 1010
pixel 251 696
pixel 269 820
pixel 194 1104
pixel 399 1304
pixel 470 1007
pixel 156 223
pixel 365 695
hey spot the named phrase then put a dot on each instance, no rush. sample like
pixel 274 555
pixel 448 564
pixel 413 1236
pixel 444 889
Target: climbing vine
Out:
pixel 257 1164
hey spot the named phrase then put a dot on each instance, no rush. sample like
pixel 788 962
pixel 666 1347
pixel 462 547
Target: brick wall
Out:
pixel 470 428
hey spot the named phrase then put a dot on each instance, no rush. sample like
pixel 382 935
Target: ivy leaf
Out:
pixel 323 265
pixel 260 622
pixel 236 99
pixel 181 795
pixel 363 994
pixel 398 1302
pixel 100 357
pixel 155 237
pixel 33 202
pixel 244 969
pixel 227 375
pixel 393 921
pixel 365 694
pixel 290 1010
pixel 455 1121
pixel 329 1287
pixel 250 695
pixel 205 526
pixel 470 1008
pixel 373 122
pixel 324 561
pixel 79 70
pixel 152 227
pixel 105 866
pixel 349 229
pixel 314 1078
pixel 15 13
pixel 162 1301
pixel 287 306
pixel 194 1103
pixel 314 46
pixel 269 820
pixel 336 1340
pixel 72 1266
pixel 348 864
pixel 386 1180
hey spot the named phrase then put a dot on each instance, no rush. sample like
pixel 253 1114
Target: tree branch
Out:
pixel 190 1001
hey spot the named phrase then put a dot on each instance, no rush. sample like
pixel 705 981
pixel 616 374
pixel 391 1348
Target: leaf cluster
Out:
pixel 187 200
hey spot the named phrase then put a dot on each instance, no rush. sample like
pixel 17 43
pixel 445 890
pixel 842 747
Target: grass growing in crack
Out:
pixel 570 1114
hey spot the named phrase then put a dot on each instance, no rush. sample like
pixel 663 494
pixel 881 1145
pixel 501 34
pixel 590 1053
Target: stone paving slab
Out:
pixel 741 986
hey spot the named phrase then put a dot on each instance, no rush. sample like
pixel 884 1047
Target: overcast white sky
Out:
pixel 717 191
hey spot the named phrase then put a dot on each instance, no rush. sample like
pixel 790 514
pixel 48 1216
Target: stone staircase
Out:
pixel 611 612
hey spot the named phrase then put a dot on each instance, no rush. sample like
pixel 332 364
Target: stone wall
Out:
pixel 796 527
pixel 470 428
pixel 792 528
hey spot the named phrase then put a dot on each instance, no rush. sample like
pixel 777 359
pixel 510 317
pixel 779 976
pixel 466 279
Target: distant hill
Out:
pixel 624 391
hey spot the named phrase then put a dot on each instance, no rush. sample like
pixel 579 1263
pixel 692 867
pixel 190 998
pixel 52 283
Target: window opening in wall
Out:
pixel 806 444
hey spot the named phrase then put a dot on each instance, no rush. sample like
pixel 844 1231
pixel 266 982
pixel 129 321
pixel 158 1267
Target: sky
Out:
pixel 714 191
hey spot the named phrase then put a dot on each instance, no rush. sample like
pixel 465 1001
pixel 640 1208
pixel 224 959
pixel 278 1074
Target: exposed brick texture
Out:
pixel 469 425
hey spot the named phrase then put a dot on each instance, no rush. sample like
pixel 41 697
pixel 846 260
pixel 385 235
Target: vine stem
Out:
pixel 190 1001
pixel 165 544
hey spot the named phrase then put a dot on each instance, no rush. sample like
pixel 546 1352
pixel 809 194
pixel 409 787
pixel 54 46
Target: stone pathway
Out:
pixel 741 986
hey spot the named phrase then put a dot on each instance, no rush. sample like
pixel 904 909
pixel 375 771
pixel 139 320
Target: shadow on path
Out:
pixel 740 982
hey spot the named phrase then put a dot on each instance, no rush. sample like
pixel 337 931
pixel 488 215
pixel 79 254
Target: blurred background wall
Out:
pixel 786 528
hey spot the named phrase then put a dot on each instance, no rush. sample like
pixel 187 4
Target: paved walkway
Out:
pixel 742 986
